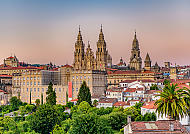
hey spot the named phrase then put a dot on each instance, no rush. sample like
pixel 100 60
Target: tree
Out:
pixel 45 118
pixel 66 96
pixel 57 130
pixel 171 102
pixel 83 107
pixel 37 102
pixel 117 120
pixel 51 98
pixel 29 108
pixel 186 95
pixel 95 103
pixel 42 99
pixel 22 110
pixel 166 82
pixel 88 124
pixel 30 97
pixel 14 101
pixel 126 98
pixel 69 104
pixel 154 87
pixel 84 94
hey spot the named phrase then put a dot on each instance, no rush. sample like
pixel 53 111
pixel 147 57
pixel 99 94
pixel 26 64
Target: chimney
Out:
pixel 129 118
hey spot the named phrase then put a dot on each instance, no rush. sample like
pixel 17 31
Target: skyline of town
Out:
pixel 49 32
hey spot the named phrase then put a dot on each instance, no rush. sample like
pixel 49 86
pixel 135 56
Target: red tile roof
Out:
pixel 6 75
pixel 152 91
pixel 66 65
pixel 107 100
pixel 165 69
pixel 143 81
pixel 150 105
pixel 161 126
pixel 120 103
pixel 74 100
pixel 130 90
pixel 10 57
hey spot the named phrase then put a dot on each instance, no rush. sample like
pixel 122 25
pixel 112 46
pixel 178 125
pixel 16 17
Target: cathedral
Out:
pixel 86 60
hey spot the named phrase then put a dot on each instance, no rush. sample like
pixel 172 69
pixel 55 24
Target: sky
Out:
pixel 40 31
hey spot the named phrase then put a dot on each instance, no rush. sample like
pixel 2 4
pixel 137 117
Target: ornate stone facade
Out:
pixel 86 60
pixel 147 62
pixel 135 60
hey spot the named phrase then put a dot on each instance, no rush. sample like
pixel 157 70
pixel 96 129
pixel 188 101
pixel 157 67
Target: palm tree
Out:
pixel 171 102
pixel 187 100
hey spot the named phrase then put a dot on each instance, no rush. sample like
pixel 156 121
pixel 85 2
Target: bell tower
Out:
pixel 135 60
pixel 101 52
pixel 147 62
pixel 79 52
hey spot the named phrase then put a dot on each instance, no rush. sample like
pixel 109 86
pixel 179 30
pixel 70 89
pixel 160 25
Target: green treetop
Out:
pixel 84 94
pixel 51 98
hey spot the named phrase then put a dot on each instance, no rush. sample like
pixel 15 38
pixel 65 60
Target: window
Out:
pixel 23 78
pixel 55 89
pixel 27 89
pixel 34 83
pixel 34 96
pixel 80 82
pixel 80 77
pixel 34 89
pixel 88 77
pixel 27 83
pixel 27 78
pixel 73 82
pixel 88 82
pixel 73 77
pixel 73 89
pixel 38 90
pixel 31 89
pixel 77 82
pixel 38 78
pixel 76 77
pixel 31 83
pixel 38 95
pixel 38 83
pixel 84 77
pixel 76 89
pixel 59 89
pixel 17 78
pixel 30 78
pixel 24 83
pixel 17 83
pixel 34 78
pixel 42 89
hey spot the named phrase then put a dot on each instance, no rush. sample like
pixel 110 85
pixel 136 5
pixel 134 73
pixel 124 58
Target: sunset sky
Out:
pixel 40 31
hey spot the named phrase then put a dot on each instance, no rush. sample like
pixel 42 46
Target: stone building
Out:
pixel 11 61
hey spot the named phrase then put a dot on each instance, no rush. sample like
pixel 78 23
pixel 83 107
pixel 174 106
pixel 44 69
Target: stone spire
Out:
pixel 79 38
pixel 88 44
pixel 101 35
pixel 147 57
pixel 135 42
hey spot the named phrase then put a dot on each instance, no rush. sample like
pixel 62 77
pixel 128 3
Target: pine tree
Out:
pixel 51 98
pixel 30 97
pixel 84 94
pixel 66 96
pixel 41 98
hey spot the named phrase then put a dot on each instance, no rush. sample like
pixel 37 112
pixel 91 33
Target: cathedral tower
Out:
pixel 135 60
pixel 147 62
pixel 101 52
pixel 79 52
